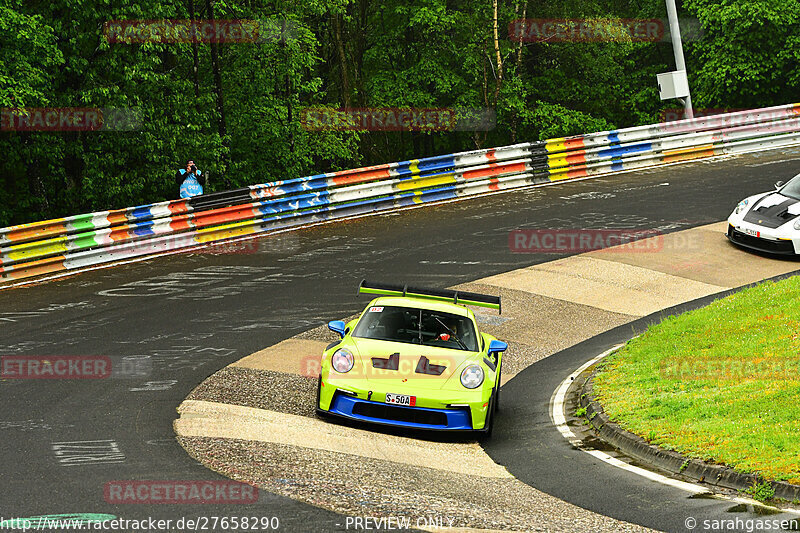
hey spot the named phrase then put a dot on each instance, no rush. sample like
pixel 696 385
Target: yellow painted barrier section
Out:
pixel 556 145
pixel 407 185
pixel 684 154
pixel 227 231
pixel 37 249
pixel 557 161
pixel 559 174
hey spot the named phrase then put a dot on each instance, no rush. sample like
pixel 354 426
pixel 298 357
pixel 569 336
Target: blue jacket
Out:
pixel 191 184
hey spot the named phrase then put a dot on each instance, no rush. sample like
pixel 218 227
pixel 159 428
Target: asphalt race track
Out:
pixel 538 455
pixel 188 315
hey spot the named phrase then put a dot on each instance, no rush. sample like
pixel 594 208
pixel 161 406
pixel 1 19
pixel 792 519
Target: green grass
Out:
pixel 762 492
pixel 721 383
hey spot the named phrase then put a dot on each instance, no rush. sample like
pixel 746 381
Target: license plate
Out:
pixel 752 232
pixel 401 399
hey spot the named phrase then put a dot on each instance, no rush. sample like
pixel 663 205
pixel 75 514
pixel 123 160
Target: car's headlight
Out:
pixel 342 361
pixel 742 206
pixel 472 377
pixel 796 224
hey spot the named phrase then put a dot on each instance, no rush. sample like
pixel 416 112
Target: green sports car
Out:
pixel 414 358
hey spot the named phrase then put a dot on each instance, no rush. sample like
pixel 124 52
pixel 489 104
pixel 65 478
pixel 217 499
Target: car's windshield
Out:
pixel 417 326
pixel 792 189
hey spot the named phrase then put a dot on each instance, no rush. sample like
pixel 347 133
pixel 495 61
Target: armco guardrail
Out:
pixel 97 238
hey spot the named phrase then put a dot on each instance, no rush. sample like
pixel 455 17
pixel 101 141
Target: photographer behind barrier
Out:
pixel 191 180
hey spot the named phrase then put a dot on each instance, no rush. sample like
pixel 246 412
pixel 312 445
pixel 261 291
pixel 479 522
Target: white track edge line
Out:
pixel 558 416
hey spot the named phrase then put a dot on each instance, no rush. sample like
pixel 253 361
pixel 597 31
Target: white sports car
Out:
pixel 770 221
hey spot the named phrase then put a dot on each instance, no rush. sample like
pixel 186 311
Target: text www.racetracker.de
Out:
pixel 199 523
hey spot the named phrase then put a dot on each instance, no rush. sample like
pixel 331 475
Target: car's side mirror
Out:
pixel 778 184
pixel 497 347
pixel 337 326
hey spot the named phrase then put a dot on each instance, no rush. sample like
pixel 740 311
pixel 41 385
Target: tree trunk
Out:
pixel 499 58
pixel 337 28
pixel 359 47
pixel 289 94
pixel 195 56
pixel 517 69
pixel 223 131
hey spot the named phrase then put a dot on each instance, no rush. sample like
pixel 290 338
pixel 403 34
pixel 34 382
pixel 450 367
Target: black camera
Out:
pixel 194 169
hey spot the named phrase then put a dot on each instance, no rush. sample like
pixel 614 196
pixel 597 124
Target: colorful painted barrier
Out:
pixel 97 238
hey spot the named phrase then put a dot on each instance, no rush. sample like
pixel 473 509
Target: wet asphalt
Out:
pixel 170 322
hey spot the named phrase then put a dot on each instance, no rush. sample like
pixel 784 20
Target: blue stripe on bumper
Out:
pixel 457 419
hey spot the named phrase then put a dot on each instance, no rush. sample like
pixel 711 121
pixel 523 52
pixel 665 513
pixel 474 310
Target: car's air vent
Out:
pixel 425 367
pixel 392 363
pixel 400 414
pixel 771 216
pixel 780 247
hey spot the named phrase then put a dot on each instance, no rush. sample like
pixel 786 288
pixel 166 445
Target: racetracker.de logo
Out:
pixel 70 119
pixel 397 119
pixel 55 367
pixel 179 492
pixel 731 369
pixel 674 120
pixel 197 31
pixel 559 241
pixel 599 30
pixel 390 366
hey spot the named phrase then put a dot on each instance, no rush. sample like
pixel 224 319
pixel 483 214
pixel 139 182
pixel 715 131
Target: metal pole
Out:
pixel 677 48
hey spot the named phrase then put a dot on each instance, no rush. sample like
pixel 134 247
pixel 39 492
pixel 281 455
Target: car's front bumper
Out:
pixel 763 241
pixel 433 409
pixel 454 419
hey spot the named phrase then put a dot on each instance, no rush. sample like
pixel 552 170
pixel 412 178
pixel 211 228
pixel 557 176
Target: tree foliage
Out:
pixel 334 54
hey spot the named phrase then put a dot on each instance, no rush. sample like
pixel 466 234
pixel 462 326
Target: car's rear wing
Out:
pixel 443 295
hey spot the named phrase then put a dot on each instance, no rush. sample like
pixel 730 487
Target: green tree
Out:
pixel 750 54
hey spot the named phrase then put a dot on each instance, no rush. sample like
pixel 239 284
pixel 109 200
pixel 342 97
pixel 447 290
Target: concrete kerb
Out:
pixel 659 458
pixel 668 460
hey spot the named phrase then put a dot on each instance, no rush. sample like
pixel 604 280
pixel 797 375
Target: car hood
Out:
pixel 413 362
pixel 773 210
